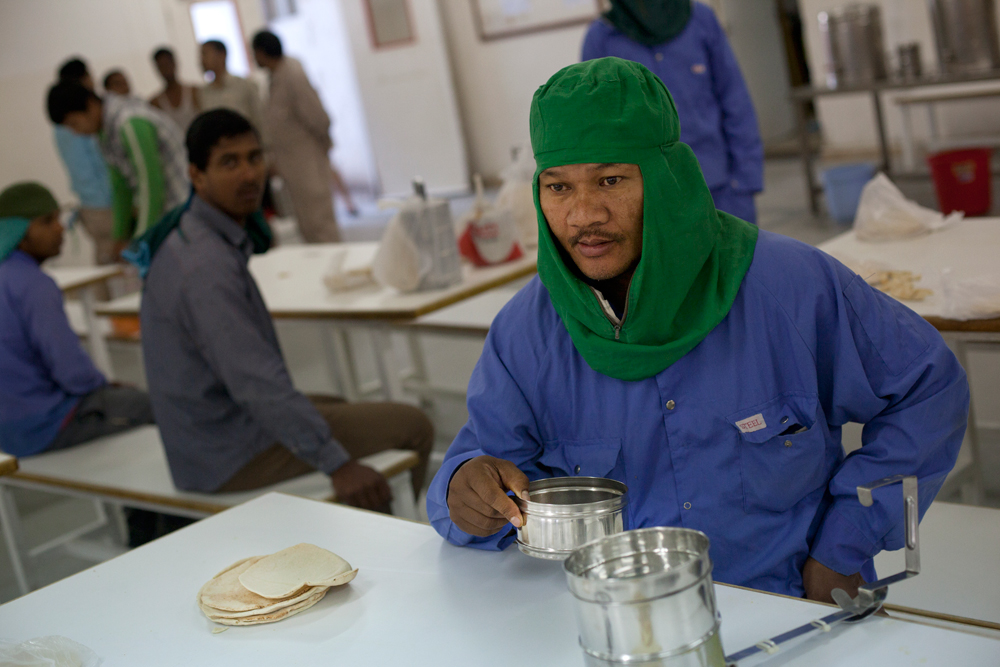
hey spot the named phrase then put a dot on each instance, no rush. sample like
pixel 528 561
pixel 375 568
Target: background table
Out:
pixel 970 249
pixel 959 550
pixel 290 279
pixel 85 280
pixel 416 601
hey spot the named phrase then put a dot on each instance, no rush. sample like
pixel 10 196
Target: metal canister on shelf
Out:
pixel 645 597
pixel 965 33
pixel 910 64
pixel 852 37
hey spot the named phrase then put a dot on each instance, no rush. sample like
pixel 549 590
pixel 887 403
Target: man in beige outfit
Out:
pixel 298 133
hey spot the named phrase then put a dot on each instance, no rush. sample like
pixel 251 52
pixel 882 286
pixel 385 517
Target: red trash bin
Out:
pixel 962 180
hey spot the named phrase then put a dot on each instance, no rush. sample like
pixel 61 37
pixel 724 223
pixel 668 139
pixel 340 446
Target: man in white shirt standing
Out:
pixel 228 91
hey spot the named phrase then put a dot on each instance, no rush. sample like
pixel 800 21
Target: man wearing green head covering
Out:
pixel 707 365
pixel 51 395
pixel 682 42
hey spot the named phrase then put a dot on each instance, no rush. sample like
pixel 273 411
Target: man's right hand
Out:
pixel 477 496
pixel 360 486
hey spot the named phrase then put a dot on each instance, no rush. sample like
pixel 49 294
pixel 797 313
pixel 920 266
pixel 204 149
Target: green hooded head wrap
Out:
pixel 693 259
pixel 19 205
pixel 650 22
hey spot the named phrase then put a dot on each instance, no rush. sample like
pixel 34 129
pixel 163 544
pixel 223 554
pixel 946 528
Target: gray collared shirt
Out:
pixel 220 390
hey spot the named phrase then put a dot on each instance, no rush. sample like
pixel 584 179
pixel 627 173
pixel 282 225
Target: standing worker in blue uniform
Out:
pixel 706 364
pixel 682 42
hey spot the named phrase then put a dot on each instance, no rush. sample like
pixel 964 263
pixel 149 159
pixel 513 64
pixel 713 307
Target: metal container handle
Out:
pixel 870 596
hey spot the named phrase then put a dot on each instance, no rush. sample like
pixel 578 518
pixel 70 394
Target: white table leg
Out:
pixel 403 503
pixel 976 496
pixel 10 523
pixel 385 361
pixel 334 362
pixel 98 344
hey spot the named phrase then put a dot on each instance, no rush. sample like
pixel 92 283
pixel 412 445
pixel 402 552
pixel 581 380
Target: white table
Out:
pixel 85 280
pixel 970 249
pixel 416 601
pixel 959 553
pixel 290 279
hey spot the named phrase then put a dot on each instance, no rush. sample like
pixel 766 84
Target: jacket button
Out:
pixel 687 506
pixel 784 420
pixel 577 470
pixel 671 405
pixel 788 443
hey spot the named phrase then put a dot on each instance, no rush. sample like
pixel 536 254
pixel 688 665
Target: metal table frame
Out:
pixel 803 95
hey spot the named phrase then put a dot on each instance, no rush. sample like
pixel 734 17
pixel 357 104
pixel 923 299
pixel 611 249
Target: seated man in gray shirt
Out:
pixel 228 413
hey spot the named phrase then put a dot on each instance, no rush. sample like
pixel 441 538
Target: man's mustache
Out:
pixel 592 234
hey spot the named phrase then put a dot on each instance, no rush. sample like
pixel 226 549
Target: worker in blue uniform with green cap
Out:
pixel 51 394
pixel 708 365
pixel 682 43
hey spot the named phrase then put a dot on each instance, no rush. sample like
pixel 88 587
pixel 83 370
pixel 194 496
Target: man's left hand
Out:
pixel 819 581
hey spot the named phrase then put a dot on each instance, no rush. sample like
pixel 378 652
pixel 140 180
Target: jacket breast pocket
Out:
pixel 783 452
pixel 595 457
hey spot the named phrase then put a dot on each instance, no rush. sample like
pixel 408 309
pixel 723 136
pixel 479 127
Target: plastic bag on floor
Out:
pixel 884 214
pixel 517 196
pixel 53 651
pixel 971 299
pixel 488 234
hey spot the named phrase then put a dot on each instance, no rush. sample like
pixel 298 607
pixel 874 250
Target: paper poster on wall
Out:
pixel 497 19
pixel 389 22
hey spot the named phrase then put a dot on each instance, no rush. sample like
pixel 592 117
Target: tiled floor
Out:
pixel 782 208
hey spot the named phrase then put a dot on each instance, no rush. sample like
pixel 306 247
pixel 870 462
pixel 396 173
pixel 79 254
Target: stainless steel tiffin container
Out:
pixel 645 597
pixel 564 513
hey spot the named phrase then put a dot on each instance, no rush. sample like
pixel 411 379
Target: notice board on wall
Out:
pixel 497 19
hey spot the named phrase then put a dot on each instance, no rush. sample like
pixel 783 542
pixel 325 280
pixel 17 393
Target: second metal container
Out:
pixel 564 513
pixel 645 597
pixel 853 40
pixel 965 32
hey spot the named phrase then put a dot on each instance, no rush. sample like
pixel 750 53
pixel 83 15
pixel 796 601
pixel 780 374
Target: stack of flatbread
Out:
pixel 265 589
pixel 899 285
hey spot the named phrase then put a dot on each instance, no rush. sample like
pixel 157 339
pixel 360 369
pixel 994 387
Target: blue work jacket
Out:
pixel 44 371
pixel 714 106
pixel 741 437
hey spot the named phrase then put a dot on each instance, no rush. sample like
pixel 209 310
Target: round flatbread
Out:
pixel 281 574
pixel 273 607
pixel 225 593
pixel 272 617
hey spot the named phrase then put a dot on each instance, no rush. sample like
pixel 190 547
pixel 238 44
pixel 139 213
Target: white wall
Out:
pixel 848 122
pixel 36 36
pixel 495 81
pixel 755 36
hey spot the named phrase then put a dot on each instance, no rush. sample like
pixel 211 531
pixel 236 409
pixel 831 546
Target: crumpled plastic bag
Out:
pixel 344 275
pixel 487 234
pixel 517 196
pixel 970 299
pixel 884 214
pixel 52 651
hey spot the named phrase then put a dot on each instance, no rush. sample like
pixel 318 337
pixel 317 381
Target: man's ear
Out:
pixel 197 177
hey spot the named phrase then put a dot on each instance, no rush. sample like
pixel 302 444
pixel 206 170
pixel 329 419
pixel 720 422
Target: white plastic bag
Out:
pixel 517 196
pixel 488 235
pixel 53 651
pixel 419 250
pixel 970 299
pixel 884 214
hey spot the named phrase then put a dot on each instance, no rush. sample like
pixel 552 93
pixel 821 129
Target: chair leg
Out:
pixel 10 523
pixel 403 503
